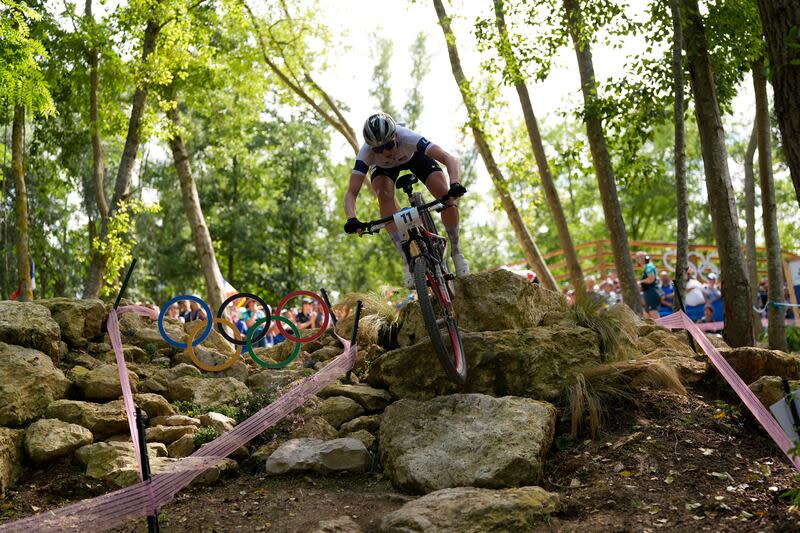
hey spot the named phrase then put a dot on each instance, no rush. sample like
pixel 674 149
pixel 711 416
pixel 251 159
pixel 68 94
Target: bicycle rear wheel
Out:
pixel 437 311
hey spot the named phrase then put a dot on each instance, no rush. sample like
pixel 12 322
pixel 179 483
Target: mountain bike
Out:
pixel 424 250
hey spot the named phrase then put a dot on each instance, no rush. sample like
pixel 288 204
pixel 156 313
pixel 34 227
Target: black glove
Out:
pixel 456 190
pixel 353 225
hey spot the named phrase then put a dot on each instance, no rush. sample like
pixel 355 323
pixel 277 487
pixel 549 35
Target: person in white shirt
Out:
pixel 694 291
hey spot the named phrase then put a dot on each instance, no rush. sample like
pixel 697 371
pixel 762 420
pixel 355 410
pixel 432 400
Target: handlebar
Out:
pixel 374 226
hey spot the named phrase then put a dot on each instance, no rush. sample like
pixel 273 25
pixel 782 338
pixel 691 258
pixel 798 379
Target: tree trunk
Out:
pixel 780 20
pixel 601 159
pixel 232 241
pixel 548 185
pixel 682 260
pixel 21 206
pixel 532 253
pixel 94 123
pixel 194 213
pixel 721 200
pixel 94 281
pixel 776 315
pixel 750 212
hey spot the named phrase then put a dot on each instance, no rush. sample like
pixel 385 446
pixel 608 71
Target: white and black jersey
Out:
pixel 408 143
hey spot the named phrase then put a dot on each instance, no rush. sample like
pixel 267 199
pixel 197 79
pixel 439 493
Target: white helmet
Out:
pixel 379 129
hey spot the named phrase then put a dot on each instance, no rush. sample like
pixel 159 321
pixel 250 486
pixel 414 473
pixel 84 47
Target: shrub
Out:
pixel 204 435
pixel 793 338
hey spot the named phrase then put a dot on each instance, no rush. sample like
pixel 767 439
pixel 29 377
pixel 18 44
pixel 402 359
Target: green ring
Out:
pixel 252 354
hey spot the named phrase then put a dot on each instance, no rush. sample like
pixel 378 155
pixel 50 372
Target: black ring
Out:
pixel 258 336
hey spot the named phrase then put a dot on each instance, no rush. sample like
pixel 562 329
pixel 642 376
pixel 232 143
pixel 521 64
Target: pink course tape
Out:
pixel 679 320
pixel 144 498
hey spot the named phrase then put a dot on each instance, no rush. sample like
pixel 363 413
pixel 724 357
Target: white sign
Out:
pixel 783 415
pixel 794 269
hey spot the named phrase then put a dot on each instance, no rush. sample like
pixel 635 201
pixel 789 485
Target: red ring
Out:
pixel 322 328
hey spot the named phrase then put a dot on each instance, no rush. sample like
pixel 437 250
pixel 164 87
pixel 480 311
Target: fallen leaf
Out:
pixel 693 506
pixel 707 451
pixel 669 479
pixel 626 473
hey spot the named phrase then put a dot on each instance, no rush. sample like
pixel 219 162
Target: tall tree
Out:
pixel 94 280
pixel 526 241
pixel 513 72
pixel 682 260
pixel 381 73
pixel 780 21
pixel 750 212
pixel 420 67
pixel 93 58
pixel 201 237
pixel 607 186
pixel 777 315
pixel 24 284
pixel 721 199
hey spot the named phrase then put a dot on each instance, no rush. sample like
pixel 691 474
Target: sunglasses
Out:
pixel 381 148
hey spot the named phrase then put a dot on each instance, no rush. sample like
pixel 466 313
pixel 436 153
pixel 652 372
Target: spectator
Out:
pixel 195 312
pixel 174 312
pixel 307 317
pixel 668 294
pixel 713 296
pixel 649 286
pixel 250 315
pixel 238 322
pixel 695 299
pixel 607 292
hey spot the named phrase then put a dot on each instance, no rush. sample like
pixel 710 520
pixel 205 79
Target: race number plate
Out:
pixel 405 219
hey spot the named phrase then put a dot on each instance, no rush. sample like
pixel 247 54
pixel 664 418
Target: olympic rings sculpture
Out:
pixel 251 336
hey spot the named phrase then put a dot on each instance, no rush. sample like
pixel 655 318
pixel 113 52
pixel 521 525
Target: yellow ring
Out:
pixel 223 366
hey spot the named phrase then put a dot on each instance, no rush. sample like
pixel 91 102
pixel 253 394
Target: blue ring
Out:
pixel 178 298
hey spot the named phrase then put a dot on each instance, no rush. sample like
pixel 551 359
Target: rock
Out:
pixel 325 353
pixel 337 410
pixel 275 379
pixel 673 342
pixel 690 370
pixel 50 438
pixel 133 354
pixel 83 359
pixel 717 340
pixel 28 384
pixel 183 447
pixel 214 342
pixel 103 420
pixel 79 320
pixel 465 440
pixel 218 421
pixel 314 427
pixel 751 363
pixel 10 457
pixel 769 389
pixel 367 397
pixel 471 510
pixel 168 434
pixel 488 301
pixel 175 420
pixel 103 383
pixel 367 438
pixel 167 375
pixel 143 332
pixel 206 392
pixel 154 405
pixel 370 423
pixel 115 462
pixel 536 363
pixel 161 361
pixel 98 347
pixel 152 386
pixel 341 524
pixel 209 357
pixel 302 455
pixel 224 468
pixel 29 325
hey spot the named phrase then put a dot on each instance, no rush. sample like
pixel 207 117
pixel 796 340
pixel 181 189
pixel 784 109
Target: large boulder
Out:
pixel 751 363
pixel 488 301
pixel 10 457
pixel 341 524
pixel 50 438
pixel 218 421
pixel 168 434
pixel 536 362
pixel 79 320
pixel 103 420
pixel 367 397
pixel 275 378
pixel 471 510
pixel 211 358
pixel 769 389
pixel 465 440
pixel 337 410
pixel 206 392
pixel 154 404
pixel 303 455
pixel 30 325
pixel 102 383
pixel 115 462
pixel 28 384
pixel 143 332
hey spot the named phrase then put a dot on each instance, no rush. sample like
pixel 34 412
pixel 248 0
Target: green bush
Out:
pixel 204 435
pixel 793 338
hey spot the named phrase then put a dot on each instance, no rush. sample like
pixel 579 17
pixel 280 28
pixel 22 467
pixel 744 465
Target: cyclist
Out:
pixel 388 149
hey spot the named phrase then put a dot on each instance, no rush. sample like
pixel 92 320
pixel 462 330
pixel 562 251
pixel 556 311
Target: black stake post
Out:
pixel 328 303
pixel 354 337
pixel 125 283
pixel 152 521
pixel 683 308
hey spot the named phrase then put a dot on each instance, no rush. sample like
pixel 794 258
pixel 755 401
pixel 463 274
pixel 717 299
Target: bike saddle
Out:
pixel 406 180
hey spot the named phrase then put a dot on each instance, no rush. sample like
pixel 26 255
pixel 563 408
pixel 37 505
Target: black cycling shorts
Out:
pixel 420 165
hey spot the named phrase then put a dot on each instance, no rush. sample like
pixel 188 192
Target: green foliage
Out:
pixel 793 338
pixel 205 435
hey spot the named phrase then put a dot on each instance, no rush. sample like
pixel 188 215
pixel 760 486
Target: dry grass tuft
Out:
pixel 376 316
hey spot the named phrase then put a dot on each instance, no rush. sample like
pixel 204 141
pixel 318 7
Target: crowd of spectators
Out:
pixel 309 316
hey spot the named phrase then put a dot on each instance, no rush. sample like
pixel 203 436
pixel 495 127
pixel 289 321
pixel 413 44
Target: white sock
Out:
pixel 452 234
pixel 395 235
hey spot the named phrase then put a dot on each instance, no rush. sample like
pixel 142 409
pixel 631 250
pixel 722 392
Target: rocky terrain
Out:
pixel 570 420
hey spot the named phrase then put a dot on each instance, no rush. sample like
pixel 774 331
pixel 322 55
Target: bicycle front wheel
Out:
pixel 440 321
